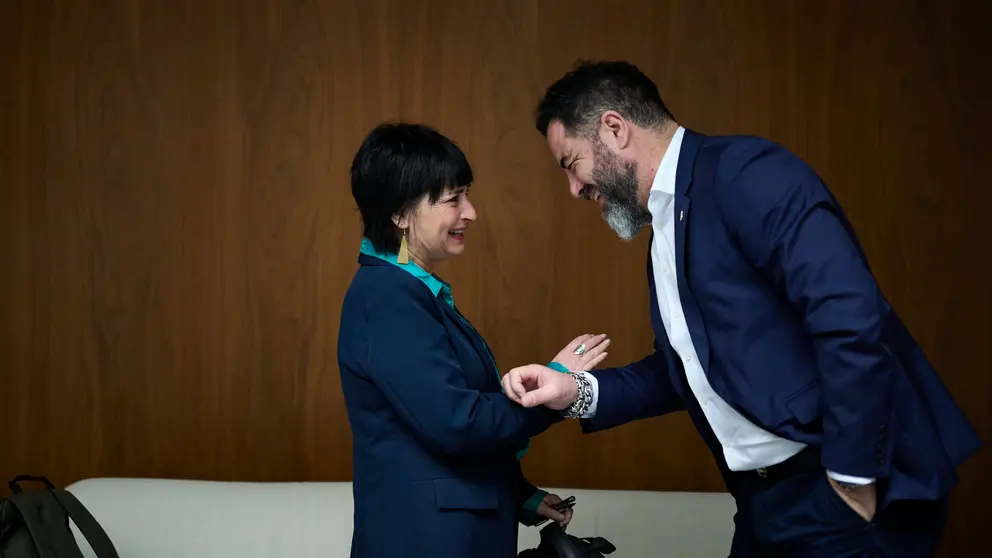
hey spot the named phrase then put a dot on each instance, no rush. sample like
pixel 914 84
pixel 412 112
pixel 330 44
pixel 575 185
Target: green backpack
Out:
pixel 36 524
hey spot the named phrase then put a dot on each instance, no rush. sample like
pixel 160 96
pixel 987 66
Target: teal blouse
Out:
pixel 443 290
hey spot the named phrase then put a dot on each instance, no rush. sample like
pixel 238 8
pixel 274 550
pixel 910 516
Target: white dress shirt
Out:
pixel 745 446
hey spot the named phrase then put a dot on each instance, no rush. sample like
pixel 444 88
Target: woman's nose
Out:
pixel 468 212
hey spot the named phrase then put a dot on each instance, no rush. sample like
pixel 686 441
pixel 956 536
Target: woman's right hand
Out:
pixel 594 351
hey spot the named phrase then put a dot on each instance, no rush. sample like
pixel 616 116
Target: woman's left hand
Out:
pixel 593 352
pixel 547 509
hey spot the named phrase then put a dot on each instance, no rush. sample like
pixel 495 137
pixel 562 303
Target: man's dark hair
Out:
pixel 580 97
pixel 395 167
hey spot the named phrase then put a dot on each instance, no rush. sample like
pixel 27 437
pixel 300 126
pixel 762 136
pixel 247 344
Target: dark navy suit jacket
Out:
pixel 435 441
pixel 790 327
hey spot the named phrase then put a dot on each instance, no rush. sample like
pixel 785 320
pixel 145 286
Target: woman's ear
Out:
pixel 406 214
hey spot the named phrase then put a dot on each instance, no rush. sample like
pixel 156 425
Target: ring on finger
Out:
pixel 580 350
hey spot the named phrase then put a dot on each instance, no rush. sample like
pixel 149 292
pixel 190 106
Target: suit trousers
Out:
pixel 801 515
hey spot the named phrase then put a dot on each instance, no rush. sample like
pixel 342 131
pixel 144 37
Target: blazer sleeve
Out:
pixel 793 231
pixel 639 390
pixel 527 497
pixel 410 359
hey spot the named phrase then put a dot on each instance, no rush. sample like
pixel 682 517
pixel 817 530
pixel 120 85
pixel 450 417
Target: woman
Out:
pixel 436 443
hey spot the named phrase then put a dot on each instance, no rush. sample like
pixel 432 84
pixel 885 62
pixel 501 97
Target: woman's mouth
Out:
pixel 458 234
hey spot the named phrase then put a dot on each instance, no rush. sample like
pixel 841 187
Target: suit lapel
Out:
pixel 461 324
pixel 681 218
pixel 477 342
pixel 676 373
pixel 683 180
pixel 691 143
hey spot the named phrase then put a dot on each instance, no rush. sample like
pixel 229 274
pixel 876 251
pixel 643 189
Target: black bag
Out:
pixel 36 524
pixel 556 543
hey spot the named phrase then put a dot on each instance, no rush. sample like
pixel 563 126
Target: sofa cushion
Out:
pixel 163 518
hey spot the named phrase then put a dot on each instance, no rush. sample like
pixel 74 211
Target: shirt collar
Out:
pixel 437 286
pixel 664 178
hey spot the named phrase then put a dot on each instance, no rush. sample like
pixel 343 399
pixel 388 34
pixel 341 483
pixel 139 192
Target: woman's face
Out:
pixel 436 232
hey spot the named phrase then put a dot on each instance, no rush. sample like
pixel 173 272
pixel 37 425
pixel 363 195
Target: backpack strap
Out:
pixel 38 510
pixel 15 487
pixel 88 526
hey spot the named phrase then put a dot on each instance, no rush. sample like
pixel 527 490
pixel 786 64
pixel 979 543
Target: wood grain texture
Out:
pixel 177 230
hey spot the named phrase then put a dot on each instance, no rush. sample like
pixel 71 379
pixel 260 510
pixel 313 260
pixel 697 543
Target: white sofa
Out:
pixel 161 518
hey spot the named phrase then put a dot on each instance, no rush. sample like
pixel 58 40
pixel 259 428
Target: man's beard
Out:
pixel 616 182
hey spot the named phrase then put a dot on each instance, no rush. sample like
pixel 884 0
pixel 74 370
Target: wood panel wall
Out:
pixel 177 233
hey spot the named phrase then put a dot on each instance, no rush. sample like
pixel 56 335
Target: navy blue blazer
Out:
pixel 435 441
pixel 790 327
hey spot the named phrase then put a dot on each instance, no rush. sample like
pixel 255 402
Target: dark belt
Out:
pixel 805 461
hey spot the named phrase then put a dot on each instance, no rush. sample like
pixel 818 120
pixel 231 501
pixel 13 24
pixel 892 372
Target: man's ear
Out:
pixel 615 130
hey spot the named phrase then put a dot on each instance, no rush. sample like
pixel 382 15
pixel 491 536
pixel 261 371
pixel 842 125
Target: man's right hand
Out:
pixel 534 385
pixel 861 499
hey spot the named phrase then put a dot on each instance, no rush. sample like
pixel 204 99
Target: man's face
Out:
pixel 596 173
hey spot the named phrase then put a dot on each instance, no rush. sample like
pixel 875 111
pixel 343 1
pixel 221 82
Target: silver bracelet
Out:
pixel 583 400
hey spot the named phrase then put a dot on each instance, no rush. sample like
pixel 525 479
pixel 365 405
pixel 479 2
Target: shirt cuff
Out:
pixel 594 383
pixel 849 479
pixel 558 367
pixel 528 511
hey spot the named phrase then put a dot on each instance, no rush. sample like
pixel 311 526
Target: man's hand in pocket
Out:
pixel 862 499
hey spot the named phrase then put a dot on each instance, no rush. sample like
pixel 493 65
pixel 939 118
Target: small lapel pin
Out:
pixel 681 215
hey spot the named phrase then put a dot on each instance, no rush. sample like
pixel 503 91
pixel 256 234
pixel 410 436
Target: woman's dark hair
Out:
pixel 395 167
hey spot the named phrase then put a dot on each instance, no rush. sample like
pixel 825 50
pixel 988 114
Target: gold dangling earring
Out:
pixel 404 255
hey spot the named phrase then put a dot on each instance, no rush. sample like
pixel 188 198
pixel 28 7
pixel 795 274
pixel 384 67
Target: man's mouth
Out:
pixel 599 200
pixel 592 194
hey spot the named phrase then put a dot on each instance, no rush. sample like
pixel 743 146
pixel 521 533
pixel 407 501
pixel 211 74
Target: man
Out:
pixel 832 430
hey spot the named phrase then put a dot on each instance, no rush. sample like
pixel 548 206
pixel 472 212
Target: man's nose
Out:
pixel 575 187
